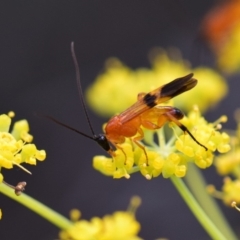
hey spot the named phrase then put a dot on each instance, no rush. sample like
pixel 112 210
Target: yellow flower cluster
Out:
pixel 117 88
pixel 171 157
pixel 229 164
pixel 118 226
pixel 15 147
pixel 231 191
pixel 229 54
pixel 206 133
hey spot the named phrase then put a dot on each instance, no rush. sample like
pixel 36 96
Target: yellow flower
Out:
pixel 229 54
pixel 117 88
pixel 170 157
pixel 118 226
pixel 229 163
pixel 0 213
pixel 119 83
pixel 15 147
pixel 207 79
pixel 230 194
pixel 231 191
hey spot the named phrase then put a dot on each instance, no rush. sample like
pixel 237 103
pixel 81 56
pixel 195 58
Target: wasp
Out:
pixel 145 113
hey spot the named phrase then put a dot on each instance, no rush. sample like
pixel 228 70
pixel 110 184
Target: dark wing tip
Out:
pixel 190 75
pixel 178 86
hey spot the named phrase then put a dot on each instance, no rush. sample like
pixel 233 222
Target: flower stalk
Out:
pixel 201 216
pixel 52 216
pixel 198 187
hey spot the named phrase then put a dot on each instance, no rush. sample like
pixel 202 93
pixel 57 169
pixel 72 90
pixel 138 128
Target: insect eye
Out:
pixel 102 141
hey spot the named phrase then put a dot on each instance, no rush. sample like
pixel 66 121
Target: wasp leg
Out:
pixel 119 147
pixel 137 139
pixel 152 126
pixel 112 152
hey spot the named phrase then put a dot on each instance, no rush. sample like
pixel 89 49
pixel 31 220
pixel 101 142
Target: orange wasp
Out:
pixel 144 113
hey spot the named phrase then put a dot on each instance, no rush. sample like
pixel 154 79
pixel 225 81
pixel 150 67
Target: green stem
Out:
pixel 39 208
pixel 209 205
pixel 134 169
pixel 236 172
pixel 201 216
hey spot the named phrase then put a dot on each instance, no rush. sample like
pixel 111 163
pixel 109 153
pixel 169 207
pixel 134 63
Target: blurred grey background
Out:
pixel 37 74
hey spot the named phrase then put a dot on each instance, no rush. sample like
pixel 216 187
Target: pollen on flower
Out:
pixel 121 172
pixel 15 147
pixel 223 119
pixel 75 215
pixel 11 114
pixel 234 204
pixel 148 177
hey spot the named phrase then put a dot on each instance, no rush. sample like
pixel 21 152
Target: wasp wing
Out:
pixel 157 96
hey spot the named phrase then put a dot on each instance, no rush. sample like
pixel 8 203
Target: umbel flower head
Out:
pixel 227 165
pixel 123 84
pixel 15 146
pixel 170 156
pixel 118 226
pixel 230 191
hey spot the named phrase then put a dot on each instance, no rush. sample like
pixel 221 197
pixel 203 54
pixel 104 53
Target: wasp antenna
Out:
pixel 80 92
pixel 186 130
pixel 64 125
